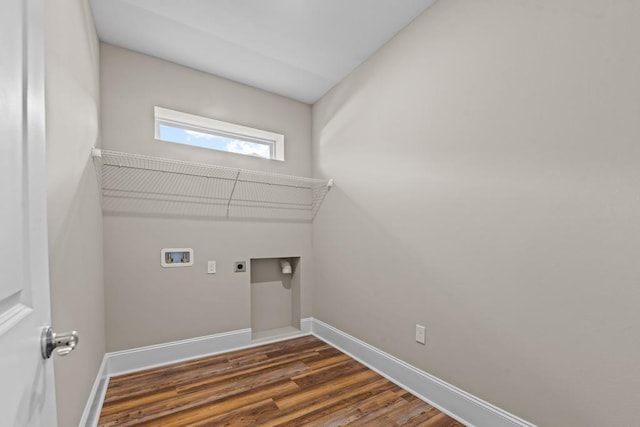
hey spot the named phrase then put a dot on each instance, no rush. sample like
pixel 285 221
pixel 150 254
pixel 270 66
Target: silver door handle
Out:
pixel 63 343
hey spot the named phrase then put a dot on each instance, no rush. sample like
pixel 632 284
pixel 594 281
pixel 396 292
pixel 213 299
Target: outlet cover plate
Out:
pixel 421 334
pixel 211 267
pixel 239 266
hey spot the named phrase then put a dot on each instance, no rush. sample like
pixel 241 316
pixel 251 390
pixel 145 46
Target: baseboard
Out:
pixel 466 408
pixel 457 403
pixel 92 408
pixel 306 325
pixel 125 361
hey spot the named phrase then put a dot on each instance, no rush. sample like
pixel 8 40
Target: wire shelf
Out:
pixel 143 185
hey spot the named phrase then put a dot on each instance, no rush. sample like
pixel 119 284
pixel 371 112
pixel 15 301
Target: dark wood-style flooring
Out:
pixel 298 382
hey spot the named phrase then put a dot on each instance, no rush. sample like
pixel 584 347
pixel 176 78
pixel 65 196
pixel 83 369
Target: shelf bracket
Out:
pixel 232 191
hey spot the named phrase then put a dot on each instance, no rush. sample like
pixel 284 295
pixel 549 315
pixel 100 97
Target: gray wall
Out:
pixel 275 300
pixel 145 303
pixel 74 214
pixel 486 167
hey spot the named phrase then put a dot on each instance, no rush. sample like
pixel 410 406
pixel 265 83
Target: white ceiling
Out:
pixel 296 48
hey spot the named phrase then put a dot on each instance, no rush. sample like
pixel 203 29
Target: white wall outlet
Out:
pixel 211 267
pixel 421 334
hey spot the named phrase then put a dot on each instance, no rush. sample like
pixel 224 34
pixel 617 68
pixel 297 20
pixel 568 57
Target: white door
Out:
pixel 26 379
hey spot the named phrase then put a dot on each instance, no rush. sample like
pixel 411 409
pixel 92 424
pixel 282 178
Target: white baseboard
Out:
pixel 457 403
pixel 466 408
pixel 96 397
pixel 136 359
pixel 122 362
pixel 306 325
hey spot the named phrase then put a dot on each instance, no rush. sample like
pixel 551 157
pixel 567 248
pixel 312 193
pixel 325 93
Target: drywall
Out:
pixel 74 214
pixel 145 303
pixel 486 168
pixel 134 83
pixel 272 296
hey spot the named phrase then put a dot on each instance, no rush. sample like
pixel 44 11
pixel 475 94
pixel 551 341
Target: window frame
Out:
pixel 186 121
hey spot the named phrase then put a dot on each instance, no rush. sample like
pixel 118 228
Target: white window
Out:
pixel 197 131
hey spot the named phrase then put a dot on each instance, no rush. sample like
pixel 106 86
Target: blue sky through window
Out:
pixel 214 142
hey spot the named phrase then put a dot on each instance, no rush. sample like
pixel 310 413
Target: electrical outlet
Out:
pixel 240 266
pixel 211 267
pixel 421 334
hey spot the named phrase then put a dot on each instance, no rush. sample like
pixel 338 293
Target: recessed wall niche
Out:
pixel 275 297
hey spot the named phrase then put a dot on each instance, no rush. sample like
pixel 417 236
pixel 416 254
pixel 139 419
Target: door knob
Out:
pixel 63 343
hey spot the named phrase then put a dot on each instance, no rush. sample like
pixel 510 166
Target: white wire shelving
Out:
pixel 143 185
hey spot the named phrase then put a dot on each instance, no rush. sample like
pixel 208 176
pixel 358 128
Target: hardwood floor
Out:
pixel 302 381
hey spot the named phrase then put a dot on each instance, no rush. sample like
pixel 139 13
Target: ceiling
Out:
pixel 296 48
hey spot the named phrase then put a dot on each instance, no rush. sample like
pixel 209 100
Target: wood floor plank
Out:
pixel 440 420
pixel 245 416
pixel 348 416
pixel 131 379
pixel 329 390
pixel 160 383
pixel 403 415
pixel 317 411
pixel 376 412
pixel 423 417
pixel 314 378
pixel 210 395
pixel 140 399
pixel 245 372
pixel 236 403
pixel 325 362
pixel 296 382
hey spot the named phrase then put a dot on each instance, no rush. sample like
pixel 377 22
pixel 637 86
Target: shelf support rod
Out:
pixel 232 191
